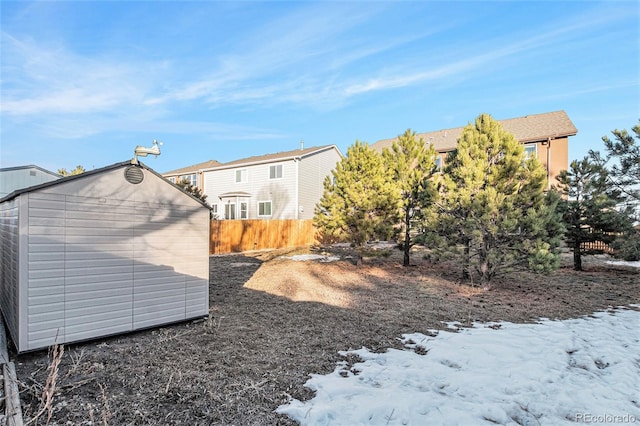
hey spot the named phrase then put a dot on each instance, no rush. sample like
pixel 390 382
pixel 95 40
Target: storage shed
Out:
pixel 105 252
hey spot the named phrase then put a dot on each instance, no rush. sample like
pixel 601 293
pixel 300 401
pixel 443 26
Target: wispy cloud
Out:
pixel 311 56
pixel 40 79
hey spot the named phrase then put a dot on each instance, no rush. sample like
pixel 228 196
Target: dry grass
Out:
pixel 50 385
pixel 275 321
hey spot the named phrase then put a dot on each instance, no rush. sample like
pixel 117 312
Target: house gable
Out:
pixel 271 185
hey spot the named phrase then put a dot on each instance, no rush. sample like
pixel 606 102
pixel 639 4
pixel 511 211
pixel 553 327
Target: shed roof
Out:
pixel 530 128
pixel 95 172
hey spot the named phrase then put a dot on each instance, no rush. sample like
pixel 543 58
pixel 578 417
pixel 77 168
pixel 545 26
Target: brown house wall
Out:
pixel 558 151
pixel 558 154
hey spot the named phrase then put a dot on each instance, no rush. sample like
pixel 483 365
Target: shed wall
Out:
pixel 9 266
pixel 106 256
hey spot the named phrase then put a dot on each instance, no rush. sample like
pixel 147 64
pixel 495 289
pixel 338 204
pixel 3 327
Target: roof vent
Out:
pixel 133 175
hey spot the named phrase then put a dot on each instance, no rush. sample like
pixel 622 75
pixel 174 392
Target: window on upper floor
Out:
pixel 264 208
pixel 241 175
pixel 172 179
pixel 531 150
pixel 438 163
pixel 190 179
pixel 275 172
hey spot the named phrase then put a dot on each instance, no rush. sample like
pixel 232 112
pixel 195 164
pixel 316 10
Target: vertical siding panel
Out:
pixel 23 272
pixel 9 264
pixel 313 169
pixel 46 288
pixel 98 267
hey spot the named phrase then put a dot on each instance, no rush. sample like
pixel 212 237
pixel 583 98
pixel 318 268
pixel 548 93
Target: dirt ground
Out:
pixel 275 321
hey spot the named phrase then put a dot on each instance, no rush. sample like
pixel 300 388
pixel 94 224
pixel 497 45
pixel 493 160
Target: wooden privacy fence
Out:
pixel 234 236
pixel 597 246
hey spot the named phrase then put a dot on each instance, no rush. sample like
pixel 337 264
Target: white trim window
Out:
pixel 244 210
pixel 230 211
pixel 264 209
pixel 241 175
pixel 438 163
pixel 531 150
pixel 172 179
pixel 214 210
pixel 190 179
pixel 275 171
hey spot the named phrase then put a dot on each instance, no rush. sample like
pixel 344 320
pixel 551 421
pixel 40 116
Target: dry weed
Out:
pixel 49 389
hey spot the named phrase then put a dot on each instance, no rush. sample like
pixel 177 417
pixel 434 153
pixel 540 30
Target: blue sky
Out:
pixel 84 82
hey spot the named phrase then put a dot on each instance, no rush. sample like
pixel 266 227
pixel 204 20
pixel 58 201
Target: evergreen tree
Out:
pixel 622 161
pixel 622 164
pixel 494 212
pixel 193 190
pixel 590 209
pixel 79 169
pixel 360 203
pixel 412 164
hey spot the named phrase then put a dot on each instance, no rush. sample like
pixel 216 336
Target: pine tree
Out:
pixel 359 202
pixel 78 170
pixel 622 161
pixel 622 164
pixel 413 165
pixel 193 190
pixel 590 209
pixel 494 212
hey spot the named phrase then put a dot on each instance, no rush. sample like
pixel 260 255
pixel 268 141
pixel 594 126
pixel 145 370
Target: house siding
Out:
pixel 258 185
pixel 559 155
pixel 104 256
pixel 313 169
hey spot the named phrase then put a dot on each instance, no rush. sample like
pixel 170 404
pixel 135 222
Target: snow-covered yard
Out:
pixel 584 370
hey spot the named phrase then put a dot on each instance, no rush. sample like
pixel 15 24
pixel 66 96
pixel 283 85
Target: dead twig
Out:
pixel 106 412
pixel 46 401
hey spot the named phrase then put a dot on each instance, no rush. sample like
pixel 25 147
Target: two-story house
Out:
pixel 284 185
pixel 191 174
pixel 544 135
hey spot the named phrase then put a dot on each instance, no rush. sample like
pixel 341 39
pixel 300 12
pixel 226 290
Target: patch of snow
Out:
pixel 554 372
pixel 308 257
pixel 242 264
pixel 381 245
pixel 635 264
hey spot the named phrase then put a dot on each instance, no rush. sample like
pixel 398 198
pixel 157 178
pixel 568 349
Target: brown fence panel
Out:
pixel 598 246
pixel 234 236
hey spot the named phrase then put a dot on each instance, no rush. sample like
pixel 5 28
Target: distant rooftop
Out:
pixel 257 159
pixel 194 168
pixel 530 128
